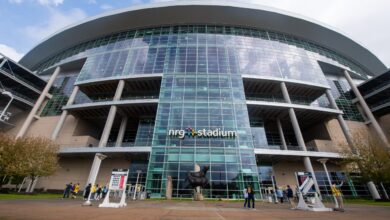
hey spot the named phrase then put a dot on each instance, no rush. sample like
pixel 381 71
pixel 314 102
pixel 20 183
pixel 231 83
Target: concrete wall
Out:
pixel 316 132
pixel 384 122
pixel 18 121
pixel 76 169
pixel 339 142
pixel 75 132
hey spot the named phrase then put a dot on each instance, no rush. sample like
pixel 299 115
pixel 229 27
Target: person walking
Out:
pixel 290 196
pixel 245 191
pixel 104 192
pixel 98 192
pixel 87 191
pixel 93 192
pixel 68 188
pixel 338 195
pixel 251 197
pixel 279 194
pixel 76 189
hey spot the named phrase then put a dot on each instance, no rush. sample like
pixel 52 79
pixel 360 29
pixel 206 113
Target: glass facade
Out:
pixel 201 92
pixel 342 95
pixel 352 185
pixel 258 52
pixel 61 90
pixel 199 100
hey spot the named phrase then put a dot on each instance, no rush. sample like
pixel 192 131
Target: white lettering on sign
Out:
pixel 190 132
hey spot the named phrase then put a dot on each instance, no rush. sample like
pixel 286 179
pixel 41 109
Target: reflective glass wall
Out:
pixel 145 51
pixel 195 102
pixel 202 90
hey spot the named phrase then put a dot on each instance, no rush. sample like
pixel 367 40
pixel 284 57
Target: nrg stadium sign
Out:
pixel 191 132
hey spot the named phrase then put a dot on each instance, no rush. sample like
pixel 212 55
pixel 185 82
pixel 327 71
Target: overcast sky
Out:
pixel 24 23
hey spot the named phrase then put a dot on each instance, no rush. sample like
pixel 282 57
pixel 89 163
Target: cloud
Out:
pixel 106 7
pixel 363 22
pixel 41 2
pixel 10 52
pixel 56 21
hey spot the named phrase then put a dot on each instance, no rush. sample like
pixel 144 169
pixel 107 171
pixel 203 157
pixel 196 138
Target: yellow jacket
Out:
pixel 76 189
pixel 93 190
pixel 335 191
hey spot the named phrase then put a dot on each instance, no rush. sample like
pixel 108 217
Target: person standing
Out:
pixel 93 192
pixel 337 194
pixel 245 191
pixel 290 196
pixel 68 188
pixel 87 191
pixel 104 192
pixel 98 192
pixel 251 197
pixel 279 194
pixel 76 189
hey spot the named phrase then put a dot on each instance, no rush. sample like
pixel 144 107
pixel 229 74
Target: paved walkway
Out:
pixel 72 210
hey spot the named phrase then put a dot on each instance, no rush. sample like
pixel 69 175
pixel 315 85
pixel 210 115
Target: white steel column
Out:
pixel 64 113
pixel 121 132
pixel 340 119
pixel 280 128
pixel 299 136
pixel 38 103
pixel 104 138
pixel 367 110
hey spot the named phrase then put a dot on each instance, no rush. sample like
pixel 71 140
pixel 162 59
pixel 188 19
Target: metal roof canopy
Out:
pixel 213 12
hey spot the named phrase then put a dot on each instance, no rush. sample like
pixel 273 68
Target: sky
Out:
pixel 25 23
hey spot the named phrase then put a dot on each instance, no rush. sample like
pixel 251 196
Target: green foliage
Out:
pixel 372 159
pixel 27 157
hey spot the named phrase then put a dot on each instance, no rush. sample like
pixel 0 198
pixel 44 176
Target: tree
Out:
pixel 28 157
pixel 7 157
pixel 371 159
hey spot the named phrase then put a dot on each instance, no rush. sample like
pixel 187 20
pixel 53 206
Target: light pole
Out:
pixel 323 161
pixel 9 103
pixel 136 183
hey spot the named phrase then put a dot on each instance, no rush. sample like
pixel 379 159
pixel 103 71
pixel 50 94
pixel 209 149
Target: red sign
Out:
pixel 121 182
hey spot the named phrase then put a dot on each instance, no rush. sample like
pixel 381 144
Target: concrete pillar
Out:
pixel 64 113
pixel 348 136
pixel 121 132
pixel 367 110
pixel 373 190
pixel 299 136
pixel 97 160
pixel 111 115
pixel 286 96
pixel 38 103
pixel 169 187
pixel 342 123
pixel 280 128
pixel 108 126
pixel 104 138
pixel 119 90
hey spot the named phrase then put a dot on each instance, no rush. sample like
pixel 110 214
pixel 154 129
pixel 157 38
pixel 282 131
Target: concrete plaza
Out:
pixel 72 209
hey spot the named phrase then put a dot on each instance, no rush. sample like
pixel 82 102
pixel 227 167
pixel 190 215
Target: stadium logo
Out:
pixel 191 132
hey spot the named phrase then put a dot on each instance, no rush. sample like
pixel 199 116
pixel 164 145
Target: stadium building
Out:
pixel 254 93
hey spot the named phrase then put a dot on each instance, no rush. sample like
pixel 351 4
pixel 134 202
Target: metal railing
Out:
pixel 140 97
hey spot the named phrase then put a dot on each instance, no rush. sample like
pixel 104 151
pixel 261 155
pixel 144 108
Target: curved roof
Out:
pixel 203 12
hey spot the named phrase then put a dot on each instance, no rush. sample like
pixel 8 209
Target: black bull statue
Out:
pixel 198 178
